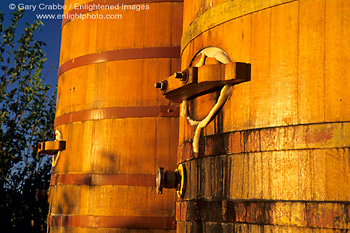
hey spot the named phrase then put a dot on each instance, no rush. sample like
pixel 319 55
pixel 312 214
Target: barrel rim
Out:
pixel 86 9
pixel 223 13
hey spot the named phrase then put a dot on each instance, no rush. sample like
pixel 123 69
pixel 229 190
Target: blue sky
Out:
pixel 50 32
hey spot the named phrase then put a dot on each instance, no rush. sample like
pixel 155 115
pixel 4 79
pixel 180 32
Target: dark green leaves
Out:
pixel 26 118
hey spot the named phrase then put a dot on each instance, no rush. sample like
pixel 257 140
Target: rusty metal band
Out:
pixel 328 215
pixel 104 179
pixel 89 7
pixel 118 112
pixel 297 137
pixel 117 55
pixel 130 222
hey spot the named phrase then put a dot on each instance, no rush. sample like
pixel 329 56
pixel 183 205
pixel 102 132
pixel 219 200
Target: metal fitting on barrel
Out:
pixel 181 75
pixel 171 179
pixel 161 85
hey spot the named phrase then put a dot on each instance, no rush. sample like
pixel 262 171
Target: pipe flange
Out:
pixel 160 180
pixel 181 185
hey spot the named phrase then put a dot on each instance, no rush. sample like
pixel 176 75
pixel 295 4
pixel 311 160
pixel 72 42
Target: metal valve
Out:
pixel 171 179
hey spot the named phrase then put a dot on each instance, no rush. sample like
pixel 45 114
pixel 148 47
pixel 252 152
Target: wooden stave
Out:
pixel 78 95
pixel 138 35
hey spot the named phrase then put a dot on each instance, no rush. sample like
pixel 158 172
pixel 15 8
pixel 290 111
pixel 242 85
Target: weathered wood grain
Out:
pixel 282 137
pixel 126 147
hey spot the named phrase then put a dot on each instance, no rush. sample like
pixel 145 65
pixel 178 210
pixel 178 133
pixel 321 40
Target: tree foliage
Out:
pixel 26 118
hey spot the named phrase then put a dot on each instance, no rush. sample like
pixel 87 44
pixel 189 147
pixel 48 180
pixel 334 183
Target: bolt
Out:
pixel 160 85
pixel 159 191
pixel 178 75
pixel 181 75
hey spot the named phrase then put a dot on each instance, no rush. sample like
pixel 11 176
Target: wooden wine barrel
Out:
pixel 117 127
pixel 276 157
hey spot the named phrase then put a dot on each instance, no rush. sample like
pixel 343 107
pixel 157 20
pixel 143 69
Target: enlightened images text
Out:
pixel 88 7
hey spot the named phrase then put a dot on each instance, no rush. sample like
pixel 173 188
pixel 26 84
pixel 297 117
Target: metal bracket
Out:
pixel 195 81
pixel 51 147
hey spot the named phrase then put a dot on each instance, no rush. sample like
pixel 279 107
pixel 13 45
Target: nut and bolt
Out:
pixel 160 85
pixel 181 75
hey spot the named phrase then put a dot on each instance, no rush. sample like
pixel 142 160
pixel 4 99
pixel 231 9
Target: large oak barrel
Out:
pixel 276 157
pixel 117 127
